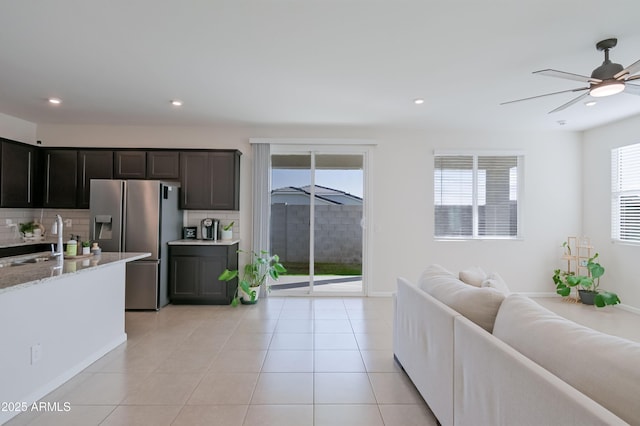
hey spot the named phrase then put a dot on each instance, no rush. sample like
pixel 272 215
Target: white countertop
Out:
pixel 16 277
pixel 192 242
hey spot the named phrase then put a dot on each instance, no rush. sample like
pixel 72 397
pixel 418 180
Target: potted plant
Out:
pixel 587 285
pixel 27 229
pixel 255 273
pixel 86 249
pixel 227 232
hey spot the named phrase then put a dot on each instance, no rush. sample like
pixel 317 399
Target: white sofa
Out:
pixel 523 365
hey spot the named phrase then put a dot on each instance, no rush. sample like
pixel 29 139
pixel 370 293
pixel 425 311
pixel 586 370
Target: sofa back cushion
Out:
pixel 479 305
pixel 601 366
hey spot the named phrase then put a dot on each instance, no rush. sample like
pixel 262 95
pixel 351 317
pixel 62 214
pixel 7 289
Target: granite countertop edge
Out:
pixel 18 277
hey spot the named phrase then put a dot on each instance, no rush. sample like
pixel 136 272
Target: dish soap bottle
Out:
pixel 72 247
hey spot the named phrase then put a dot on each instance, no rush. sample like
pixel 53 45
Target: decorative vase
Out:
pixel 587 296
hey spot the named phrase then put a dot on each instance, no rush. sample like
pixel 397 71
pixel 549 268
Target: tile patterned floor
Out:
pixel 285 361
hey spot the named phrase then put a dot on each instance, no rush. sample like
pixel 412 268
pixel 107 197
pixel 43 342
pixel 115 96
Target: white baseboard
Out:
pixel 381 294
pixel 65 376
pixel 629 308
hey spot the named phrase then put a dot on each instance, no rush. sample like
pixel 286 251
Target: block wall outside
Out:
pixel 338 233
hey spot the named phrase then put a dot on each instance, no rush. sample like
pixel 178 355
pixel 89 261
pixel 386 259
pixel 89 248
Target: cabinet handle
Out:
pixel 48 175
pixel 29 179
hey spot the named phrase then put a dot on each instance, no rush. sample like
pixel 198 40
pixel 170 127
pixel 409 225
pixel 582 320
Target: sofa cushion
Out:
pixel 473 276
pixel 479 305
pixel 601 366
pixel 494 280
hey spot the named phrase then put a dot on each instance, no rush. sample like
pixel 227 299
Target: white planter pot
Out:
pixel 226 235
pixel 245 298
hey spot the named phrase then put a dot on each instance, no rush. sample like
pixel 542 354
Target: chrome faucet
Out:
pixel 59 249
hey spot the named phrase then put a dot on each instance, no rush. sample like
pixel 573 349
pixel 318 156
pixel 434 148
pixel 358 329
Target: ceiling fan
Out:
pixel 606 80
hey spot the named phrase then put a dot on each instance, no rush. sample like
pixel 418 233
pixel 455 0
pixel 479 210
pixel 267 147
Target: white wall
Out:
pixel 17 129
pixel 619 260
pixel 404 207
pixel 402 192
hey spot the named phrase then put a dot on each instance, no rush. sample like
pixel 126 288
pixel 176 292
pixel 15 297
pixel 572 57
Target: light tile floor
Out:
pixel 285 361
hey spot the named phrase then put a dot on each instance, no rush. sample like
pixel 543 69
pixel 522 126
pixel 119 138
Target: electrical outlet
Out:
pixel 68 223
pixel 9 222
pixel 36 353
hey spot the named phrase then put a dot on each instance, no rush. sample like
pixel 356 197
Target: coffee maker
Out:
pixel 209 229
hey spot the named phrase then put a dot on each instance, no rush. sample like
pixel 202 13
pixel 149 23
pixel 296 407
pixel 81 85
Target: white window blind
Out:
pixel 476 196
pixel 625 194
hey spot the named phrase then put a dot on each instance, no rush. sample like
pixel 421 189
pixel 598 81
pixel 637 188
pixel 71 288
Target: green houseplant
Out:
pixel 255 273
pixel 587 285
pixel 27 228
pixel 227 231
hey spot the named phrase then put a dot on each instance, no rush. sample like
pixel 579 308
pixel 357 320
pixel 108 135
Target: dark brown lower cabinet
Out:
pixel 194 271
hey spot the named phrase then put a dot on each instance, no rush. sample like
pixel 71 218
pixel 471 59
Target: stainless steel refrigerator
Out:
pixel 138 216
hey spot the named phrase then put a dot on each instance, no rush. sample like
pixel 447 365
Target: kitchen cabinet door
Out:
pixel 210 269
pixel 92 164
pixel 130 164
pixel 163 165
pixel 17 174
pixel 60 178
pixel 225 180
pixel 194 272
pixel 184 277
pixel 210 180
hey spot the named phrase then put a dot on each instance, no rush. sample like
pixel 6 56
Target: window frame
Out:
pixel 617 192
pixel 475 154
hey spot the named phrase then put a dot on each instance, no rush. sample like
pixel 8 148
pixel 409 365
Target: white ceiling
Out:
pixel 310 62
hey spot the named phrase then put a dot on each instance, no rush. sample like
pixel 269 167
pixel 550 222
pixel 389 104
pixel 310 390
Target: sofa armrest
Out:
pixel 497 385
pixel 423 344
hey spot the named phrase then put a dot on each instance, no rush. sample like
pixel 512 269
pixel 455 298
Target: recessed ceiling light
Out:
pixel 418 101
pixel 176 102
pixel 55 101
pixel 590 103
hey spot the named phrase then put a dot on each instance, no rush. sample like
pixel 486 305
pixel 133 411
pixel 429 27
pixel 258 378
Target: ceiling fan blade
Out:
pixel 635 77
pixel 630 70
pixel 568 76
pixel 547 94
pixel 632 89
pixel 571 102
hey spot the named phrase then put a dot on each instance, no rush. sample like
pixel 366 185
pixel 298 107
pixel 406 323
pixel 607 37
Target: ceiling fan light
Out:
pixel 607 89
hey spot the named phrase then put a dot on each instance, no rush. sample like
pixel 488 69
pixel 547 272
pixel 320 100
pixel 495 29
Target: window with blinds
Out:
pixel 476 196
pixel 625 194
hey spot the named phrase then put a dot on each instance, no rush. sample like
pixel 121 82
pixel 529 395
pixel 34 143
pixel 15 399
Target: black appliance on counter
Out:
pixel 210 229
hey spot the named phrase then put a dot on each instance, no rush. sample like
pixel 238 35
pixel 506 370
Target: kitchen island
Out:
pixel 56 318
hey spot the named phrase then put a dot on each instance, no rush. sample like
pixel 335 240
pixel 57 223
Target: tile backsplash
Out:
pixel 193 218
pixel 79 225
pixel 76 222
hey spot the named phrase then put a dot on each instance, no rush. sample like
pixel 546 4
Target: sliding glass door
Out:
pixel 317 217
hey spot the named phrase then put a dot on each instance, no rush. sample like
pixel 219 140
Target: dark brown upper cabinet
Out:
pixel 163 165
pixel 60 178
pixel 17 174
pixel 92 164
pixel 130 164
pixel 210 180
